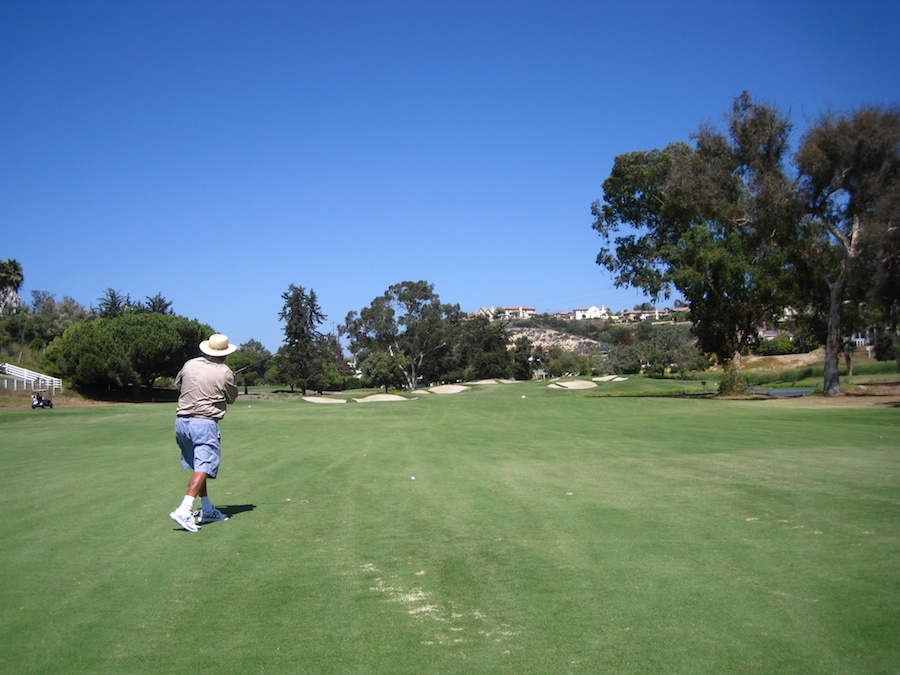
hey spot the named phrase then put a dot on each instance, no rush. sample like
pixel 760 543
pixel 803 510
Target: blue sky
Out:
pixel 218 151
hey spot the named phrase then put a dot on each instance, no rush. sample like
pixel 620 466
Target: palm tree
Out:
pixel 10 282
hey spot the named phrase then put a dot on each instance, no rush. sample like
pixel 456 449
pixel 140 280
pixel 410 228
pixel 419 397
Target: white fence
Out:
pixel 28 378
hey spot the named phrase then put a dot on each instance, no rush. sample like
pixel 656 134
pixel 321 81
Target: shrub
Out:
pixel 731 383
pixel 886 348
pixel 780 345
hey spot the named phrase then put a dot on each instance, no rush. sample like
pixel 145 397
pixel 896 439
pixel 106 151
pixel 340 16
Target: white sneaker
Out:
pixel 211 516
pixel 185 521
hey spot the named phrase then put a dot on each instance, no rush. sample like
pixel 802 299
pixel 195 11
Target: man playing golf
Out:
pixel 206 387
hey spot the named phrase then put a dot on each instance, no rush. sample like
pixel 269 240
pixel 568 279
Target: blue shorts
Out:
pixel 199 439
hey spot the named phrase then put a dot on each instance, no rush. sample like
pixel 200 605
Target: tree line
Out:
pixel 405 338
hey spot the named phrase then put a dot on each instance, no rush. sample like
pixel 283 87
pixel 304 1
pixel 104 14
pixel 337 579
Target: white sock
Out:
pixel 186 504
pixel 207 505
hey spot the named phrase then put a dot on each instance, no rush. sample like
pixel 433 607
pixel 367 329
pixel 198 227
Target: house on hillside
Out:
pixel 864 338
pixel 487 312
pixel 633 315
pixel 638 315
pixel 766 334
pixel 592 312
pixel 681 313
pixel 503 313
pixel 519 312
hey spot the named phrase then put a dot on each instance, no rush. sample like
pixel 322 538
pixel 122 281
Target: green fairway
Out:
pixel 546 531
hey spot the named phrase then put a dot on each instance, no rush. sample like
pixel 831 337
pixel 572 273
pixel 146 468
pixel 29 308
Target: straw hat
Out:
pixel 217 345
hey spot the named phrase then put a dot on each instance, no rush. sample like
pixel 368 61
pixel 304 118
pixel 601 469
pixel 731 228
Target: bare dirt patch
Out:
pixel 784 361
pixel 851 396
pixel 870 394
pixel 22 399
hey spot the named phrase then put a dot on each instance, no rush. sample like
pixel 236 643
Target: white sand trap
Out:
pixel 577 384
pixel 507 381
pixel 322 399
pixel 448 389
pixel 374 398
pixel 621 379
pixel 554 386
pixel 485 382
pixel 605 378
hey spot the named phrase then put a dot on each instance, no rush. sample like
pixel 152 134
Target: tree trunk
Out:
pixel 409 377
pixel 731 380
pixel 832 384
pixel 848 357
pixel 408 374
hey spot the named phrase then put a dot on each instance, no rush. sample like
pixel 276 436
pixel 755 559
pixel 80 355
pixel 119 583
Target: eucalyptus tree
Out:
pixel 409 323
pixel 850 176
pixel 710 220
pixel 44 319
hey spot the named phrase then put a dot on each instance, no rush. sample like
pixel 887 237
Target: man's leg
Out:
pixel 197 485
pixel 208 512
pixel 184 515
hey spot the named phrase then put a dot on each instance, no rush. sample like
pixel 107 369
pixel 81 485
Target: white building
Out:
pixel 519 312
pixel 592 312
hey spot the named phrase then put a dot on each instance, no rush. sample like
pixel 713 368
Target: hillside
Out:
pixel 785 361
pixel 548 337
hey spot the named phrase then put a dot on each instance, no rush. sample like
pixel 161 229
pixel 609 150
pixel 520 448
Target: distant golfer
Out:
pixel 205 388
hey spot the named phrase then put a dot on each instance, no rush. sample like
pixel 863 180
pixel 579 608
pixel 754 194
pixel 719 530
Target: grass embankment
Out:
pixel 560 532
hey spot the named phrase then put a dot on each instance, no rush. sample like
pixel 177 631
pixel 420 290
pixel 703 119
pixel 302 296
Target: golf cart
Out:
pixel 38 400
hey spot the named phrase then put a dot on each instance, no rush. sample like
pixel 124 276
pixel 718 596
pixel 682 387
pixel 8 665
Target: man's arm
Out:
pixel 231 390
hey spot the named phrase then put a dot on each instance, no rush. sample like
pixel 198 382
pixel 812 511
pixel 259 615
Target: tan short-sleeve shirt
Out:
pixel 206 387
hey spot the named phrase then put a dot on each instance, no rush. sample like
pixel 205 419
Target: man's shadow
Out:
pixel 235 509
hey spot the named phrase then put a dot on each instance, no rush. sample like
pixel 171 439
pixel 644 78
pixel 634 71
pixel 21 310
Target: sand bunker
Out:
pixel 605 378
pixel 485 382
pixel 322 399
pixel 575 384
pixel 448 389
pixel 374 398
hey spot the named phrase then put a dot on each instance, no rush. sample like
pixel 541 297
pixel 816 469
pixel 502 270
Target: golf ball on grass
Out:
pixel 412 477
